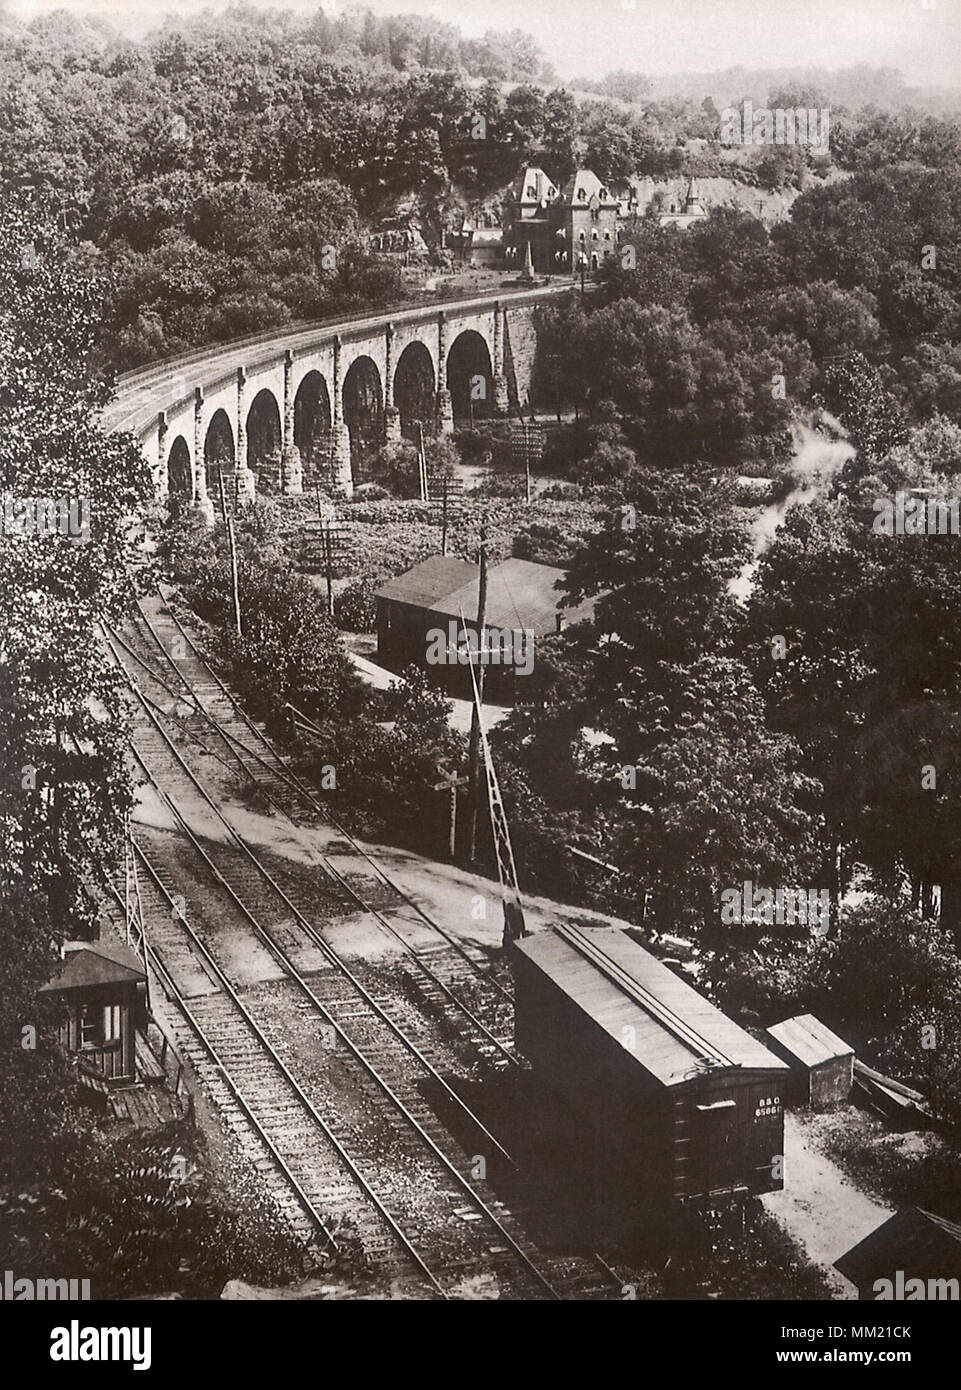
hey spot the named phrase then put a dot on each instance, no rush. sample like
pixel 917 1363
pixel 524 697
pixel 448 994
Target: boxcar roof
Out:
pixel 619 985
pixel 806 1038
pixel 913 1240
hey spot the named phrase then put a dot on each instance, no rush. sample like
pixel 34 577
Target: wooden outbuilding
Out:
pixel 674 1102
pixel 434 606
pixel 822 1064
pixel 913 1256
pixel 103 987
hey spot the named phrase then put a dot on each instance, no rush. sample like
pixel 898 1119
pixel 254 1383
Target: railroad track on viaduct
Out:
pixel 333 387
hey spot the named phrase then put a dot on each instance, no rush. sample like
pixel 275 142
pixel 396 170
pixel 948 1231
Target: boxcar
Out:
pixel 674 1102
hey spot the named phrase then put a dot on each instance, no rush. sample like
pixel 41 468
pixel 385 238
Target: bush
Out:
pixel 385 778
pixel 370 492
pixel 355 609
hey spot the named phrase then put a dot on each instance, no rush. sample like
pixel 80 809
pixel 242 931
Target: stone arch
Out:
pixel 312 418
pixel 180 486
pixel 219 452
pixel 415 388
pixel 363 406
pixel 264 434
pixel 470 376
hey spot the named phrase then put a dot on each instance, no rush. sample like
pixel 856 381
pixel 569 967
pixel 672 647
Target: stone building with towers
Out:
pixel 561 230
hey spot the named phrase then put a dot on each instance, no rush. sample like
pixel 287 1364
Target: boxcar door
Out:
pixel 721 1143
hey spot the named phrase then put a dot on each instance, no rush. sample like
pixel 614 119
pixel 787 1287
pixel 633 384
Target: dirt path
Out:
pixel 382 679
pixel 820 1208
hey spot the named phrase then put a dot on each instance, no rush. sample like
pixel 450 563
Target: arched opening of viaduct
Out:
pixel 415 390
pixel 312 418
pixel 363 408
pixel 470 377
pixel 219 453
pixel 264 434
pixel 179 479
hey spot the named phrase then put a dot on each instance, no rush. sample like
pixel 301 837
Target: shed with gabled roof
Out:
pixel 102 986
pixel 523 605
pixel 822 1064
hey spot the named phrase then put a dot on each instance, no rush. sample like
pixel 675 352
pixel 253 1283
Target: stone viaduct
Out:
pixel 326 392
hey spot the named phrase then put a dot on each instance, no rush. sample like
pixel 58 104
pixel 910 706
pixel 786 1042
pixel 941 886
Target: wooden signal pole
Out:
pixel 475 731
pixel 229 527
pixel 422 466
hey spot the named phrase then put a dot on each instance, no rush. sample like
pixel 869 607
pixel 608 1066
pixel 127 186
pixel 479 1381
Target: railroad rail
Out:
pixel 372 1070
pixel 271 774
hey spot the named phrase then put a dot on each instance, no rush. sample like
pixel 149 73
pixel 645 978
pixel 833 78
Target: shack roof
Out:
pixel 521 595
pixel 913 1240
pixel 89 963
pixel 428 581
pixel 809 1040
pixel 615 982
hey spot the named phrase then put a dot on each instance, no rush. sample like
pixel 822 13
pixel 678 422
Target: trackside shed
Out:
pixel 822 1064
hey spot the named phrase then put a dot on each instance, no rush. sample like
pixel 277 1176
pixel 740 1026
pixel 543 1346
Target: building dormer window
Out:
pixel 582 194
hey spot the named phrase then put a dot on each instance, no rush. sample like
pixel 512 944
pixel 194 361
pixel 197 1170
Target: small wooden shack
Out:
pixel 822 1064
pixel 916 1253
pixel 103 987
pixel 672 1098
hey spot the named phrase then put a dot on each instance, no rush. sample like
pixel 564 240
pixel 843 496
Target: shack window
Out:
pixel 111 1023
pixel 91 1026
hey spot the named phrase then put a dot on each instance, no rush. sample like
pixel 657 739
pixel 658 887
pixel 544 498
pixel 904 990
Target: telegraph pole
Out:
pixel 474 768
pixel 329 565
